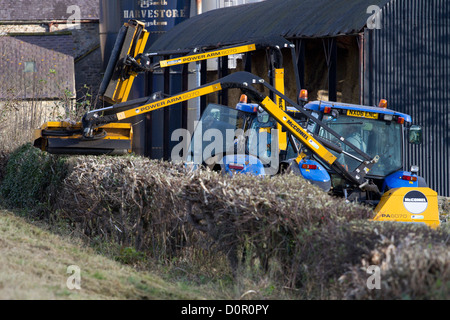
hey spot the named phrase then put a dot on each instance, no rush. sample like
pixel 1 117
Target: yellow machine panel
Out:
pixel 120 81
pixel 409 205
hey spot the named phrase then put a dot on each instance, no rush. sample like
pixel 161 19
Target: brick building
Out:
pixel 54 42
pixel 50 58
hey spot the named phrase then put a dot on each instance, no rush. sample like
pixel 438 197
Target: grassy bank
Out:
pixel 34 264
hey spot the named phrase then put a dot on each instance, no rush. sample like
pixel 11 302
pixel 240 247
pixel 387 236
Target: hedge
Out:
pixel 280 225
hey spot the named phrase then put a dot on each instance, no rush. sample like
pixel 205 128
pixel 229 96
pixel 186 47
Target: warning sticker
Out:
pixel 415 202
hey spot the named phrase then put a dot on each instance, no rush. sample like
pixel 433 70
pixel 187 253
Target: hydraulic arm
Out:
pixel 128 58
pixel 246 83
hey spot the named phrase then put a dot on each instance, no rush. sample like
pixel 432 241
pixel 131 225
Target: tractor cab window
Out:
pixel 260 137
pixel 215 133
pixel 373 137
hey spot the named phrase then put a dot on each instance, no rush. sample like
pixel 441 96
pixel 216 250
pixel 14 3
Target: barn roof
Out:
pixel 287 18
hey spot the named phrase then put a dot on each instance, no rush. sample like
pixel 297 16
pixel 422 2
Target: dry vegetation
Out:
pixel 280 233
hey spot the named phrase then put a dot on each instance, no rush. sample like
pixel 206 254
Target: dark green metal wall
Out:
pixel 407 62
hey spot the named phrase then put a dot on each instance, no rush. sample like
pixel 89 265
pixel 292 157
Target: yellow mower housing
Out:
pixel 60 137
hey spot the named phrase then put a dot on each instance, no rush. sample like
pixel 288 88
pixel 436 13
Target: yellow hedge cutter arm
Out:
pixel 126 62
pixel 100 118
pixel 114 138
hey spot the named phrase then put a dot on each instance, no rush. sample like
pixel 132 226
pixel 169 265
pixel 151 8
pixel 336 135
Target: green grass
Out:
pixel 34 262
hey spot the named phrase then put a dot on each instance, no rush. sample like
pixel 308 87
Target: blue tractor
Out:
pixel 354 134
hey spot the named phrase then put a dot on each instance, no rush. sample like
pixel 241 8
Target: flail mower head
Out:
pixel 66 138
pixel 61 137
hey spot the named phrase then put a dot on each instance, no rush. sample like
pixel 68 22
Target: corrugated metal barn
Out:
pixel 407 60
pixel 351 51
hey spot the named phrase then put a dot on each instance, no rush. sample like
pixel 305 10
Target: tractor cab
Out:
pixel 377 131
pixel 243 139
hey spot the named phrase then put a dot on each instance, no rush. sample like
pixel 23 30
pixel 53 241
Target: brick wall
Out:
pixel 85 49
pixel 88 75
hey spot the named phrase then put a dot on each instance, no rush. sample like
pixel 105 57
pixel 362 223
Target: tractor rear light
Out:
pixel 401 120
pixel 382 103
pixel 236 166
pixel 327 110
pixel 309 166
pixel 409 178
